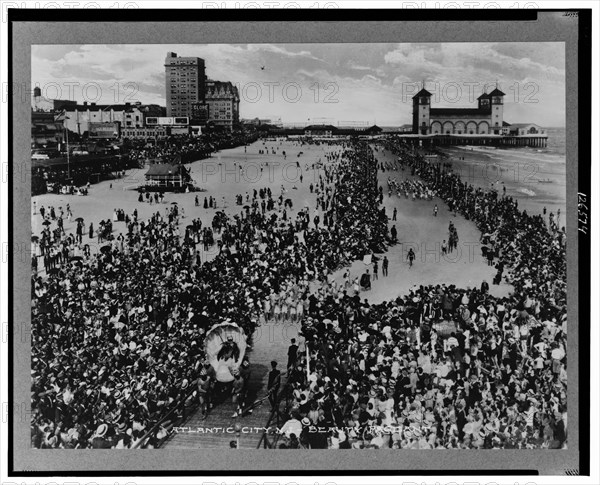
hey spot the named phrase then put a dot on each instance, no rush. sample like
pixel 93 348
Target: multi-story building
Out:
pixel 185 83
pixel 223 102
pixel 77 118
pixel 487 118
pixel 45 130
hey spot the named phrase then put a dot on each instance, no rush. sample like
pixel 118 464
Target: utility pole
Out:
pixel 68 159
pixel 67 138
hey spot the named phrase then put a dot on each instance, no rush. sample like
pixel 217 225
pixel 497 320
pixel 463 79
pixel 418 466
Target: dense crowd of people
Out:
pixel 186 148
pixel 442 367
pixel 118 335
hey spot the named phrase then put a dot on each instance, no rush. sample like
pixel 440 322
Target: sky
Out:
pixel 336 83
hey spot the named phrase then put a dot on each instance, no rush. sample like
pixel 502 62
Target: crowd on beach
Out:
pixel 179 148
pixel 442 367
pixel 117 335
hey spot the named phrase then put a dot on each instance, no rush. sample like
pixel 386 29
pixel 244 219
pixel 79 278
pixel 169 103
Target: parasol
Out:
pixel 46 223
pixel 79 219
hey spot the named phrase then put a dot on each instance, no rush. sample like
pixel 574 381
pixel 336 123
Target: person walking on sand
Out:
pixel 394 234
pixel 394 214
pixel 411 256
pixel 435 210
pixel 384 266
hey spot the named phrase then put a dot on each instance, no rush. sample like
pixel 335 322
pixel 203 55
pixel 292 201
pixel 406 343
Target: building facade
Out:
pixel 77 118
pixel 525 129
pixel 185 79
pixel 150 132
pixel 486 119
pixel 223 102
pixel 45 130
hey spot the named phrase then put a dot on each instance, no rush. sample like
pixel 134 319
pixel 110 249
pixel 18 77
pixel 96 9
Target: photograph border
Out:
pixel 522 23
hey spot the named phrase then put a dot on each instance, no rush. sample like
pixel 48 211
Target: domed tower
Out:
pixel 421 107
pixel 497 102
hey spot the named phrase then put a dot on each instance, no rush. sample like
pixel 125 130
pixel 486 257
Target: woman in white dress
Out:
pixel 291 307
pixel 284 309
pixel 267 309
pixel 277 311
pixel 299 310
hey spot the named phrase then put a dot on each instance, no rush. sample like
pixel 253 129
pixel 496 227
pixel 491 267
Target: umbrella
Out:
pixel 105 249
pixel 46 223
pixel 34 239
pixel 76 258
pixel 173 203
pixel 79 219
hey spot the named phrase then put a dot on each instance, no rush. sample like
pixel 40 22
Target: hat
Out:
pixel 305 422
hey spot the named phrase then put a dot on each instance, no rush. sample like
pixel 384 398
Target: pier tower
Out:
pixel 421 112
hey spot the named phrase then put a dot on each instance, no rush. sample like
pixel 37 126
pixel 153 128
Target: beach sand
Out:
pixel 418 228
pixel 416 225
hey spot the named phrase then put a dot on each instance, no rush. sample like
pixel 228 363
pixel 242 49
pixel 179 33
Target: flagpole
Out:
pixel 307 364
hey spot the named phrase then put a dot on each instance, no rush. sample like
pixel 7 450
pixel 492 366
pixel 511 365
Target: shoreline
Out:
pixel 517 169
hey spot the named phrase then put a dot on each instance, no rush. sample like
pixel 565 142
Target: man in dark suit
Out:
pixel 273 383
pixel 292 354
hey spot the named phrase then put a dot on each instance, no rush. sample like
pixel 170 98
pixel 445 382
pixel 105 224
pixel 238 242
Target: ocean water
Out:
pixel 536 177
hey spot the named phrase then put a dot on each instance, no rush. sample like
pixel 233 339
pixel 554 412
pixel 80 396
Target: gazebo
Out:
pixel 166 175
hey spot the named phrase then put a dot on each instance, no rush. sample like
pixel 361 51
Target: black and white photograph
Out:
pixel 341 247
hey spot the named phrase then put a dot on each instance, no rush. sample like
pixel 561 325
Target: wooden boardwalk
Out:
pixel 271 342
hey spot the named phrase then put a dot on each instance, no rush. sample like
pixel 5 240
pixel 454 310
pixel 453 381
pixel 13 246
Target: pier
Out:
pixel 534 141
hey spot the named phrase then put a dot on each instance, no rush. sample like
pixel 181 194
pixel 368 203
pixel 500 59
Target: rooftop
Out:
pixel 423 92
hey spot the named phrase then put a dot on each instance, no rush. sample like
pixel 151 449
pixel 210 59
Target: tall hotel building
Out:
pixel 185 84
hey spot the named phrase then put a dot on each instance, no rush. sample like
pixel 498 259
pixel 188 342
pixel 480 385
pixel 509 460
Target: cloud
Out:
pixel 368 81
pixel 275 49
